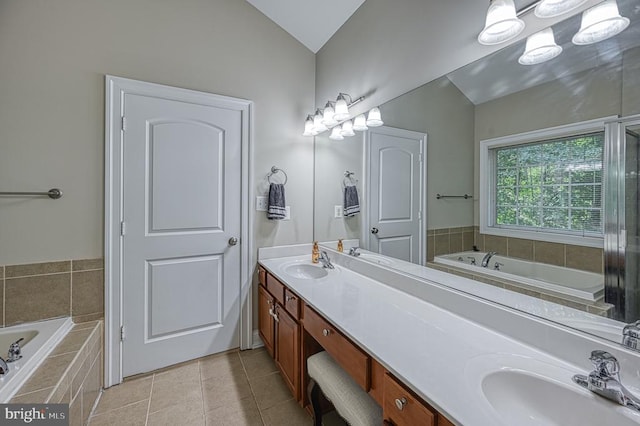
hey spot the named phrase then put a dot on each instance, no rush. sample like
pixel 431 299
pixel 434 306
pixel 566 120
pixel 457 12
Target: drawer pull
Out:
pixel 326 332
pixel 400 403
pixel 290 298
pixel 274 315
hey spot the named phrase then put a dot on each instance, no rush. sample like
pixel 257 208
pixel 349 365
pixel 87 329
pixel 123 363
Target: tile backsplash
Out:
pixel 40 291
pixel 454 240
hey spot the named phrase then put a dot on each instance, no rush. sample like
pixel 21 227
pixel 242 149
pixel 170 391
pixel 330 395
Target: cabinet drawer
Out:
pixel 276 288
pixel 292 304
pixel 262 276
pixel 402 407
pixel 349 356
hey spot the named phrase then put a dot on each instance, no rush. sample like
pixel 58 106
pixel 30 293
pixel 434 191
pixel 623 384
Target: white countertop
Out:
pixel 434 351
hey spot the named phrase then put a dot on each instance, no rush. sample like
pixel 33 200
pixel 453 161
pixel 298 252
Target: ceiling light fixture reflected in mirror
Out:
pixel 335 115
pixel 336 134
pixel 342 108
pixel 347 129
pixel 308 126
pixel 360 123
pixel 374 119
pixel 600 23
pixel 541 47
pixel 328 116
pixel 501 24
pixel 553 8
pixel 318 125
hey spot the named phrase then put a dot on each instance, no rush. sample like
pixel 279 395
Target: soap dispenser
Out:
pixel 315 253
pixel 340 246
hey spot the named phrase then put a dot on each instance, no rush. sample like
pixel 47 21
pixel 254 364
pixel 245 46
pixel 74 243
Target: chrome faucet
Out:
pixel 631 336
pixel 324 259
pixel 14 353
pixel 487 257
pixel 605 380
pixel 472 259
pixel 4 368
pixel 353 251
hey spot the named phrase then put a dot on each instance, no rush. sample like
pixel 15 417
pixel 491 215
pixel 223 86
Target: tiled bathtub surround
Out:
pixel 72 374
pixel 39 291
pixel 449 240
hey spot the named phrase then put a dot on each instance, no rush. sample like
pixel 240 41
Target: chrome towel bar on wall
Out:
pixel 53 193
pixel 465 196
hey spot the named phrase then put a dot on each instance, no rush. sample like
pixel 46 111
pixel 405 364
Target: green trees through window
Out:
pixel 551 185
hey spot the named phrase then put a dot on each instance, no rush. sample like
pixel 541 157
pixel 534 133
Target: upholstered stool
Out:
pixel 351 402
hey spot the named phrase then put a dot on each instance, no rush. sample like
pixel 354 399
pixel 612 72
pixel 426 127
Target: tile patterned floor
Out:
pixel 235 388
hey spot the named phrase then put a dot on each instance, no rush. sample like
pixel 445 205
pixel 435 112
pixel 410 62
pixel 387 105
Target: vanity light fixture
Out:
pixel 374 119
pixel 318 125
pixel 553 8
pixel 336 134
pixel 502 23
pixel 328 116
pixel 308 126
pixel 599 23
pixel 541 47
pixel 360 123
pixel 347 129
pixel 342 108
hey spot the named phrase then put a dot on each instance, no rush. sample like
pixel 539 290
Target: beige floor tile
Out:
pixel 189 414
pixel 125 394
pixel 222 365
pixel 258 363
pixel 167 394
pixel 243 412
pixel 183 373
pixel 287 413
pixel 131 415
pixel 226 391
pixel 269 390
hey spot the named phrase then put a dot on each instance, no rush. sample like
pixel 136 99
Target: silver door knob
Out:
pixel 374 230
pixel 400 403
pixel 233 241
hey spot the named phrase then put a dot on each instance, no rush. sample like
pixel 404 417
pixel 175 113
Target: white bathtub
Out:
pixel 587 286
pixel 40 338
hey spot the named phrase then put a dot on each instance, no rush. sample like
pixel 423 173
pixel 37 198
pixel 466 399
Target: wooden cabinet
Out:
pixel 266 323
pixel 401 407
pixel 288 350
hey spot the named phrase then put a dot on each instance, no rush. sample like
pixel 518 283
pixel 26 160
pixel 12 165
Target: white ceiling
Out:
pixel 312 23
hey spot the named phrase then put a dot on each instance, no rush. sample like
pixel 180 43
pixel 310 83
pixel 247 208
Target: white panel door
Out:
pixel 396 185
pixel 182 200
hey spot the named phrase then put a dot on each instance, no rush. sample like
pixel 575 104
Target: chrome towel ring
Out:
pixel 275 170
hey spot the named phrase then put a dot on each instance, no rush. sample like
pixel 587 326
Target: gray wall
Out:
pixel 54 58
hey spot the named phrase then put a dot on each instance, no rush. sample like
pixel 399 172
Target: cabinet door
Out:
pixel 288 350
pixel 265 320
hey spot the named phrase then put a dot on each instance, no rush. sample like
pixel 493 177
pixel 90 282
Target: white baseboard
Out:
pixel 257 341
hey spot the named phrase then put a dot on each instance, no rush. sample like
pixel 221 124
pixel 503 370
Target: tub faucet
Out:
pixel 4 368
pixel 487 257
pixel 605 380
pixel 353 251
pixel 324 259
pixel 14 353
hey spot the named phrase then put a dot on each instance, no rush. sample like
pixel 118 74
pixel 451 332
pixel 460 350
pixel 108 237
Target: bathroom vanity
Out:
pixel 428 354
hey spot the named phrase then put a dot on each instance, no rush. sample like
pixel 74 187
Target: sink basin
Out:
pixel 524 391
pixel 522 398
pixel 305 271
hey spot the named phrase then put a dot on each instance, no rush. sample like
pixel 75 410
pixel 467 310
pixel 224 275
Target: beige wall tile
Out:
pixel 441 231
pixel 14 271
pixel 551 253
pixel 91 388
pixel 87 292
pixel 86 264
pixel 467 241
pixel 431 247
pixel 72 342
pixel 520 248
pixel 127 393
pixel 88 318
pixel 79 377
pixel 37 397
pixel 75 412
pixel 37 298
pixel 441 244
pixel 48 374
pixel 585 258
pixel 495 243
pixel 478 240
pixel 455 242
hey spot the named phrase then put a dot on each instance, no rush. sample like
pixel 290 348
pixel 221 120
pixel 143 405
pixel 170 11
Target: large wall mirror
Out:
pixel 526 163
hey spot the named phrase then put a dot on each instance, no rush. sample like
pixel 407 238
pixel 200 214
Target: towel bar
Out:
pixel 54 194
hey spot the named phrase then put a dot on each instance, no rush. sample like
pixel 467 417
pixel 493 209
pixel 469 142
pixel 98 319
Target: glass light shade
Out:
pixel 318 126
pixel 342 110
pixel 347 129
pixel 360 123
pixel 328 118
pixel 308 126
pixel 335 134
pixel 551 8
pixel 501 24
pixel 541 47
pixel 599 23
pixel 374 119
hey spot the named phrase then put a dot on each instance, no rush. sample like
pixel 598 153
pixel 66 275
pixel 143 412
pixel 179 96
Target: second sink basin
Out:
pixel 305 271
